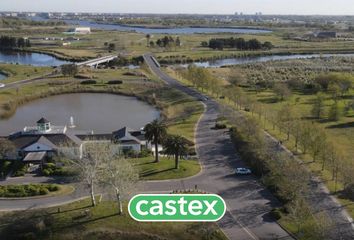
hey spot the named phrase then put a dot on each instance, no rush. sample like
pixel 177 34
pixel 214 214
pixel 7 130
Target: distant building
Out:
pixel 80 30
pixel 326 35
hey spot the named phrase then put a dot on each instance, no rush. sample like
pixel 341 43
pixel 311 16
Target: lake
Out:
pixel 103 113
pixel 147 30
pixel 30 58
pixel 246 60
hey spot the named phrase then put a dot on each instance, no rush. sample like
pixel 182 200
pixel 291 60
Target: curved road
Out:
pixel 248 202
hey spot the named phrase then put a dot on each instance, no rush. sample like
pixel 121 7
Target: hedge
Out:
pixel 28 190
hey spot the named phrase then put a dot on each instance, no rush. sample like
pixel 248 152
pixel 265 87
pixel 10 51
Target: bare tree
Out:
pixel 119 174
pixel 88 162
pixel 7 148
pixel 299 212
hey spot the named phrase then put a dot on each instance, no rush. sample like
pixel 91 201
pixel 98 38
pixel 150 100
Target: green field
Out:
pixel 165 169
pixel 21 72
pixel 79 220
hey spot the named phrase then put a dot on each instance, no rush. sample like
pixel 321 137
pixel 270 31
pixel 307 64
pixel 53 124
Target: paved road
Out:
pixel 247 201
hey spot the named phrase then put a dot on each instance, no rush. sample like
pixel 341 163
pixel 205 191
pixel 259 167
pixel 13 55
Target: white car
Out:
pixel 2 85
pixel 243 171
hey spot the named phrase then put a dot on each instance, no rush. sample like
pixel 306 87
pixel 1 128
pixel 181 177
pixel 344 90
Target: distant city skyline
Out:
pixel 299 7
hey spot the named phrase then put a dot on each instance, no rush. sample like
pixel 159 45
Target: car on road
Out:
pixel 243 171
pixel 2 85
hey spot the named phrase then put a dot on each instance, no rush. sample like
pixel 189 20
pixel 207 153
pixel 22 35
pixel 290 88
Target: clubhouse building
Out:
pixel 37 143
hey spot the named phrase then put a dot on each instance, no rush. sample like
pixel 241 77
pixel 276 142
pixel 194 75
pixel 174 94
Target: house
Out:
pixel 41 142
pixel 125 138
pixel 42 138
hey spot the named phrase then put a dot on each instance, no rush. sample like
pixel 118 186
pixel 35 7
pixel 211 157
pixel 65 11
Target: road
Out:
pixel 248 202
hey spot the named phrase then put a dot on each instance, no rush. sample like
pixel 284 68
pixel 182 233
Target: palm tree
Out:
pixel 148 36
pixel 176 146
pixel 155 132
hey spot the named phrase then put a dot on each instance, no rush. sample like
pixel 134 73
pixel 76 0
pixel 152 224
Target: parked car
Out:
pixel 243 171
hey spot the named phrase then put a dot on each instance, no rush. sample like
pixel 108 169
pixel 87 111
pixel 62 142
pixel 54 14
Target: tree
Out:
pixel 7 148
pixel 148 37
pixel 305 136
pixel 111 47
pixel 344 85
pixel 235 78
pixel 178 42
pixel 119 174
pixel 318 107
pixel 282 91
pixel 69 69
pixel 87 162
pixel 299 212
pixel 317 142
pixel 155 132
pixel 176 146
pixel 334 112
pixel 286 116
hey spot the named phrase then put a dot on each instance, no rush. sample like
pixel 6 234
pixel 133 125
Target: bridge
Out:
pixel 95 62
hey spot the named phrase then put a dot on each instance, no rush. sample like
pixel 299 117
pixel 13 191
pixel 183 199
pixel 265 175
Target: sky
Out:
pixel 327 7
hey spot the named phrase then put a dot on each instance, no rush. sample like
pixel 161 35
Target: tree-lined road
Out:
pixel 248 202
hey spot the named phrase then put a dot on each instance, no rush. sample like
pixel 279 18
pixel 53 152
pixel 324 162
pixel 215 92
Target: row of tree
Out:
pixel 7 42
pixel 281 174
pixel 166 41
pixel 237 43
pixel 308 136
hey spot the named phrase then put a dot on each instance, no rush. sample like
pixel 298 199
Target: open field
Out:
pixel 79 220
pixel 133 44
pixel 20 72
pixel 148 170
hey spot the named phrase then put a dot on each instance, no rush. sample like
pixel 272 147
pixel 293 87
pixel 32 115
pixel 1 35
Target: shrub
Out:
pixel 43 191
pixel 130 153
pixel 348 192
pixel 28 190
pixel 88 82
pixel 276 213
pixel 115 82
pixel 46 172
pixel 191 152
pixel 145 153
pixel 220 126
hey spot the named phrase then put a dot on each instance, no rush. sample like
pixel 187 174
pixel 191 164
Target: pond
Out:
pixel 2 76
pixel 30 58
pixel 246 60
pixel 100 112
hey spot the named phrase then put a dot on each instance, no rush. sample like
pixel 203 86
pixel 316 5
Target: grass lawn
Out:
pixel 101 222
pixel 165 169
pixel 21 72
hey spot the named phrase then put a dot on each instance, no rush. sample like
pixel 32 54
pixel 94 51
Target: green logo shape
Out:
pixel 177 207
